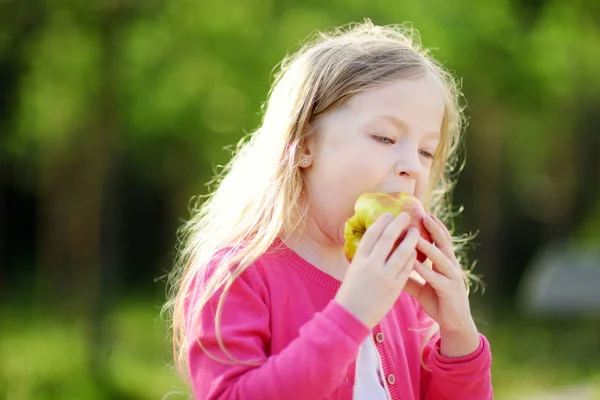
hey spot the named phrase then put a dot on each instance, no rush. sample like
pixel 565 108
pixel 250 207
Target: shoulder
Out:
pixel 223 283
pixel 229 265
pixel 238 268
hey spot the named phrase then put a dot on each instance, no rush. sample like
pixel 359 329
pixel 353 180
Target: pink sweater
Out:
pixel 281 312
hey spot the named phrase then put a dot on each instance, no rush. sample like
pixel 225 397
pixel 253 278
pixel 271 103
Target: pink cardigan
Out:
pixel 280 312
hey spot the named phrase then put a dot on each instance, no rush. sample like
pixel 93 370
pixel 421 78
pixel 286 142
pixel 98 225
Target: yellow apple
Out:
pixel 370 206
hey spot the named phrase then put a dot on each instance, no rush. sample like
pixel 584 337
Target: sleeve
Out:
pixel 460 378
pixel 310 367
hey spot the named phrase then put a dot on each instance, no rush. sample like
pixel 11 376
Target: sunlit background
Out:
pixel 114 113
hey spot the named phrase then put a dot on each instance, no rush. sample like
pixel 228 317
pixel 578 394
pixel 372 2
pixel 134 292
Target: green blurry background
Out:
pixel 114 113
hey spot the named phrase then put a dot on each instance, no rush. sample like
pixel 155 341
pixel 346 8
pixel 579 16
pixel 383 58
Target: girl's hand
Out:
pixel 444 295
pixel 375 278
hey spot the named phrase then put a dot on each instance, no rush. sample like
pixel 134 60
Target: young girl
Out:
pixel 265 304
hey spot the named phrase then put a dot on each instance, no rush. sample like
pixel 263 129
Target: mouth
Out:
pixel 411 192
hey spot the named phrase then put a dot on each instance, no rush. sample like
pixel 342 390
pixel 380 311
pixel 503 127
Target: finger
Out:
pixel 435 279
pixel 441 225
pixel 440 238
pixel 388 238
pixel 441 262
pixel 408 266
pixel 404 251
pixel 372 234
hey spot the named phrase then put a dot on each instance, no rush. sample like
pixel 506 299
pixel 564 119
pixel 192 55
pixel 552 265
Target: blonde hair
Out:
pixel 235 219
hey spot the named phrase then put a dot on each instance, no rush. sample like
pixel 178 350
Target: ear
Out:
pixel 307 148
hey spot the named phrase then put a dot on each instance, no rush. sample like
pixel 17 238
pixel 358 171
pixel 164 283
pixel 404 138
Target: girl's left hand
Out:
pixel 444 296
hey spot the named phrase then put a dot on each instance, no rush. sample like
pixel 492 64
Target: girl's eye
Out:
pixel 384 139
pixel 426 154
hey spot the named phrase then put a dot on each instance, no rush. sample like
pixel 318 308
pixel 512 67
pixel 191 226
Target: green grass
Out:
pixel 534 356
pixel 45 359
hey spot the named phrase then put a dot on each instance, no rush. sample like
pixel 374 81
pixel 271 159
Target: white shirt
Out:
pixel 368 383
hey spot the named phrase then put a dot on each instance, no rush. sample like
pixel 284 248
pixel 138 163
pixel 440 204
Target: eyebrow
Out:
pixel 403 125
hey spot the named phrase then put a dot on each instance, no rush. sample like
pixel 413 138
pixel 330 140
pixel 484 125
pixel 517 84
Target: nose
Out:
pixel 408 164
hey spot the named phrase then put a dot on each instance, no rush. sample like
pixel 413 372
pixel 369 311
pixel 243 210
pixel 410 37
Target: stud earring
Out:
pixel 304 161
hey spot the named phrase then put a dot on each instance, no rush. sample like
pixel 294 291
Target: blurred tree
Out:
pixel 109 106
pixel 114 113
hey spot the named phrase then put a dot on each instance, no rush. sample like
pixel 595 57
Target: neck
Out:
pixel 320 250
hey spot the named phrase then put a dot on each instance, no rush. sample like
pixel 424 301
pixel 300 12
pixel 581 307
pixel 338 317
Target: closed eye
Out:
pixel 387 140
pixel 426 154
pixel 383 139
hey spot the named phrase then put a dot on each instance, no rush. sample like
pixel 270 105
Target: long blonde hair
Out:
pixel 258 195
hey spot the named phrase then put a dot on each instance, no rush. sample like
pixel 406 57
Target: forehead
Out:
pixel 418 102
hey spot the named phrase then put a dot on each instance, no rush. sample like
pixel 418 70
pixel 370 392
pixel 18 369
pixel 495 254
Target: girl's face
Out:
pixel 382 140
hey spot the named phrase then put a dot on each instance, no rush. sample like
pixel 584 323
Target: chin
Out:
pixel 340 239
pixel 328 233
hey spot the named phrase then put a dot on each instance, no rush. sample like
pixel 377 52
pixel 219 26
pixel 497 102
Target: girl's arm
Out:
pixel 311 367
pixel 444 297
pixel 460 378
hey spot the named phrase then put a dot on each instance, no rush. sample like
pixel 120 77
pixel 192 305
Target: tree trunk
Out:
pixel 484 166
pixel 74 186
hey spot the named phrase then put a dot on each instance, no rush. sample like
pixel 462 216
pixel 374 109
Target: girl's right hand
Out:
pixel 374 281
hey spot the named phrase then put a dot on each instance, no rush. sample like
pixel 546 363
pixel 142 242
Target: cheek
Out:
pixel 334 188
pixel 346 165
pixel 422 184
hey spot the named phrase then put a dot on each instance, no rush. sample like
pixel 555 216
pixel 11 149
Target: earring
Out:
pixel 304 161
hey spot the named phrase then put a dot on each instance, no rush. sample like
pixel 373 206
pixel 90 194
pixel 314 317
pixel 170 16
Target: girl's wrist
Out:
pixel 460 343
